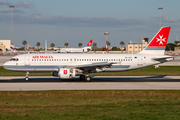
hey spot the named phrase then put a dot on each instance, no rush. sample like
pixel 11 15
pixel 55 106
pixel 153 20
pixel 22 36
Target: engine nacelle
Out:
pixel 66 73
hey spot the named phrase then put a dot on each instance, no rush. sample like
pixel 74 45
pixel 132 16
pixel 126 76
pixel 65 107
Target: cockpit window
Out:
pixel 14 59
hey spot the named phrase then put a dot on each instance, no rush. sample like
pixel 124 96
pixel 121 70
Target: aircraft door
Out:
pixel 26 59
pixel 140 61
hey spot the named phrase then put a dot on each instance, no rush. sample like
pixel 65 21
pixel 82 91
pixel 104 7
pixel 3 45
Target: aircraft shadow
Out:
pixel 94 79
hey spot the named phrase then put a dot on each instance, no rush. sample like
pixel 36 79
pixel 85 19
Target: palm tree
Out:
pixel 38 44
pixel 94 45
pixel 108 44
pixel 24 42
pixel 80 44
pixel 66 44
pixel 176 42
pixel 121 43
pixel 52 45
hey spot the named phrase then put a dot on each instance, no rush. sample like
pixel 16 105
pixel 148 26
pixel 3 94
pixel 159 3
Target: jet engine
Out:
pixel 66 73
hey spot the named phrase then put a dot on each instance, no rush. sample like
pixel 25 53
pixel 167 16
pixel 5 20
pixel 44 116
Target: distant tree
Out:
pixel 176 42
pixel 80 45
pixel 103 49
pixel 52 45
pixel 66 44
pixel 114 49
pixel 94 46
pixel 170 47
pixel 121 43
pixel 24 42
pixel 38 44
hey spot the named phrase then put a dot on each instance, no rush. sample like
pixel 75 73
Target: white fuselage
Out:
pixel 53 62
pixel 81 50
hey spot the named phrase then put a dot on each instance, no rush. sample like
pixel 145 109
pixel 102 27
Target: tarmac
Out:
pixel 97 83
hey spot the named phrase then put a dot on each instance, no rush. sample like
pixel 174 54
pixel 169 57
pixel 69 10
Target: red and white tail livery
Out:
pixel 90 43
pixel 78 50
pixel 158 44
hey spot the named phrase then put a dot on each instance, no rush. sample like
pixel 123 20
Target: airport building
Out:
pixel 4 44
pixel 136 47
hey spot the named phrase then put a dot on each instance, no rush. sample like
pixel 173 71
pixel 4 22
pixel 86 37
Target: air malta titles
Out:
pixel 42 56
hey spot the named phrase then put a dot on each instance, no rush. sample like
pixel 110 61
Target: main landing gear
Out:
pixel 83 77
pixel 27 76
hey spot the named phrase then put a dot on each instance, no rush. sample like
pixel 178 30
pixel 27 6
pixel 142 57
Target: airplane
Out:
pixel 82 50
pixel 67 66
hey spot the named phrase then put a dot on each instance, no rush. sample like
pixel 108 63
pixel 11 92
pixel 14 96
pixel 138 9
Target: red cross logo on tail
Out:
pixel 161 40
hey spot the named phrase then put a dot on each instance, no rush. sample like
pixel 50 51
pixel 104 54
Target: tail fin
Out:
pixel 90 43
pixel 158 44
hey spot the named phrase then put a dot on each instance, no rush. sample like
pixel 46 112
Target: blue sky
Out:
pixel 75 21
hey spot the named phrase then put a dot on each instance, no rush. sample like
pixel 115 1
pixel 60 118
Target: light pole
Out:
pixel 160 15
pixel 106 34
pixel 11 24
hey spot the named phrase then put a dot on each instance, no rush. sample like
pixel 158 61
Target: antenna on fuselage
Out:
pixel 45 46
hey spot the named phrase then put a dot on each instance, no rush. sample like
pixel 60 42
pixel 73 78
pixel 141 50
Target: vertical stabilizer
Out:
pixel 90 43
pixel 158 44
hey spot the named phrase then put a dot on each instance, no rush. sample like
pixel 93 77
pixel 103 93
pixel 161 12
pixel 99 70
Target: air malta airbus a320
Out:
pixel 72 65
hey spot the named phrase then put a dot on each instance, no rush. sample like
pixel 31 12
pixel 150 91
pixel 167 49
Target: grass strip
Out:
pixel 96 105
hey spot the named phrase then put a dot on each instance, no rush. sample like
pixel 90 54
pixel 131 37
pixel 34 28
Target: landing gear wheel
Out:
pixel 82 77
pixel 26 78
pixel 88 78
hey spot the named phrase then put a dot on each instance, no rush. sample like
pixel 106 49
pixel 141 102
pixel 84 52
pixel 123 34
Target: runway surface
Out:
pixel 97 83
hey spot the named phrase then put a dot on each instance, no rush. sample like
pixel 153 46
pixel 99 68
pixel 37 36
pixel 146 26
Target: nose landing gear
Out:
pixel 27 76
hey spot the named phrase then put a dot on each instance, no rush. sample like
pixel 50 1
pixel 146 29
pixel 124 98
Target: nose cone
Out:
pixel 6 65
